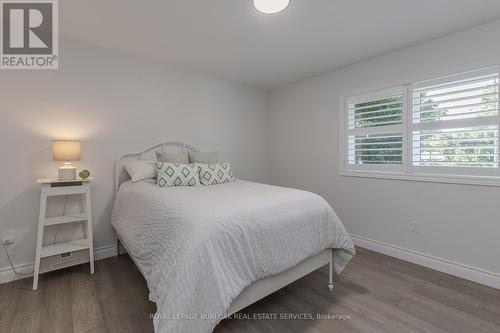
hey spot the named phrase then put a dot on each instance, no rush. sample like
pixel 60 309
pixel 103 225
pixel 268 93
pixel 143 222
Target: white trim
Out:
pixel 390 129
pixel 498 122
pixel 456 123
pixel 488 278
pixel 374 94
pixel 450 172
pixel 8 275
pixel 406 132
pixel 443 80
pixel 376 168
pixel 343 139
pixel 425 177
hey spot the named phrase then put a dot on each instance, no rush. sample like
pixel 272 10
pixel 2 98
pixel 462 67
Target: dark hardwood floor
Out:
pixel 375 293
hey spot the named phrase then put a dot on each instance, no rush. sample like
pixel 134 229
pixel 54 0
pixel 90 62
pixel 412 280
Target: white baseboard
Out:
pixel 478 275
pixel 8 275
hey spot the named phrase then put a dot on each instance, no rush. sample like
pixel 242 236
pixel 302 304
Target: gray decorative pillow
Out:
pixel 205 158
pixel 177 174
pixel 216 173
pixel 172 158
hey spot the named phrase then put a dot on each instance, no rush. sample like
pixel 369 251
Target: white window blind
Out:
pixel 447 127
pixel 455 122
pixel 375 135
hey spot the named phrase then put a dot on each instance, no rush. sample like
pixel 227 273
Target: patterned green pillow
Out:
pixel 216 173
pixel 177 174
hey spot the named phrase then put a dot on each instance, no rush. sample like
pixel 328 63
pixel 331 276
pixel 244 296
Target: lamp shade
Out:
pixel 66 150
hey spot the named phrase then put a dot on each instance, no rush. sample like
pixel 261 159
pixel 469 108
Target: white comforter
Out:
pixel 199 247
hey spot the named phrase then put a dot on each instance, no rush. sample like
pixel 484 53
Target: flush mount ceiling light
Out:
pixel 271 6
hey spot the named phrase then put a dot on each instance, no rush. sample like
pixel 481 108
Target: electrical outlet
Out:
pixel 8 238
pixel 416 227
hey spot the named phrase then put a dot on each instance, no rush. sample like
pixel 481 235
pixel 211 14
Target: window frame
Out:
pixel 406 171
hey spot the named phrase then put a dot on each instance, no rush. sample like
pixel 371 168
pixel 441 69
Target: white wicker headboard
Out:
pixel 120 173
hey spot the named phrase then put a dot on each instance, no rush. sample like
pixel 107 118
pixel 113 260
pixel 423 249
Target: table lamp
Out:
pixel 66 151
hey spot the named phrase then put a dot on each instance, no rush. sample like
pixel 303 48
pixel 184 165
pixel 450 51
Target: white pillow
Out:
pixel 139 170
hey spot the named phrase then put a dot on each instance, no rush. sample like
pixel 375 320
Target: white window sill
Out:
pixel 432 178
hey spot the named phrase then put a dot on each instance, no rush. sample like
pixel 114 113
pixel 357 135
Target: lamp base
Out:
pixel 67 172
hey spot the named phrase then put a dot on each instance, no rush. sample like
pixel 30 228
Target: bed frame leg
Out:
pixel 117 254
pixel 330 274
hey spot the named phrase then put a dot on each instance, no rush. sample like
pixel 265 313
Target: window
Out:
pixel 444 128
pixel 375 129
pixel 455 124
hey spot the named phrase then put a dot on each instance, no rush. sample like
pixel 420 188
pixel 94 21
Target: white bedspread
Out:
pixel 199 247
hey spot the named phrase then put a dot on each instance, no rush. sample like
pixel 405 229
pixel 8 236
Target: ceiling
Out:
pixel 230 39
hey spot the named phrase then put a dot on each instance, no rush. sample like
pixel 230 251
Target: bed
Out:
pixel 207 252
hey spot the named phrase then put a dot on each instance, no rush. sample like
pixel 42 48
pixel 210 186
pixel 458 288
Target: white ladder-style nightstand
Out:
pixel 59 255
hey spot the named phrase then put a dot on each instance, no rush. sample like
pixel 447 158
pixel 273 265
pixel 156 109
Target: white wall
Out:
pixel 461 223
pixel 114 104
